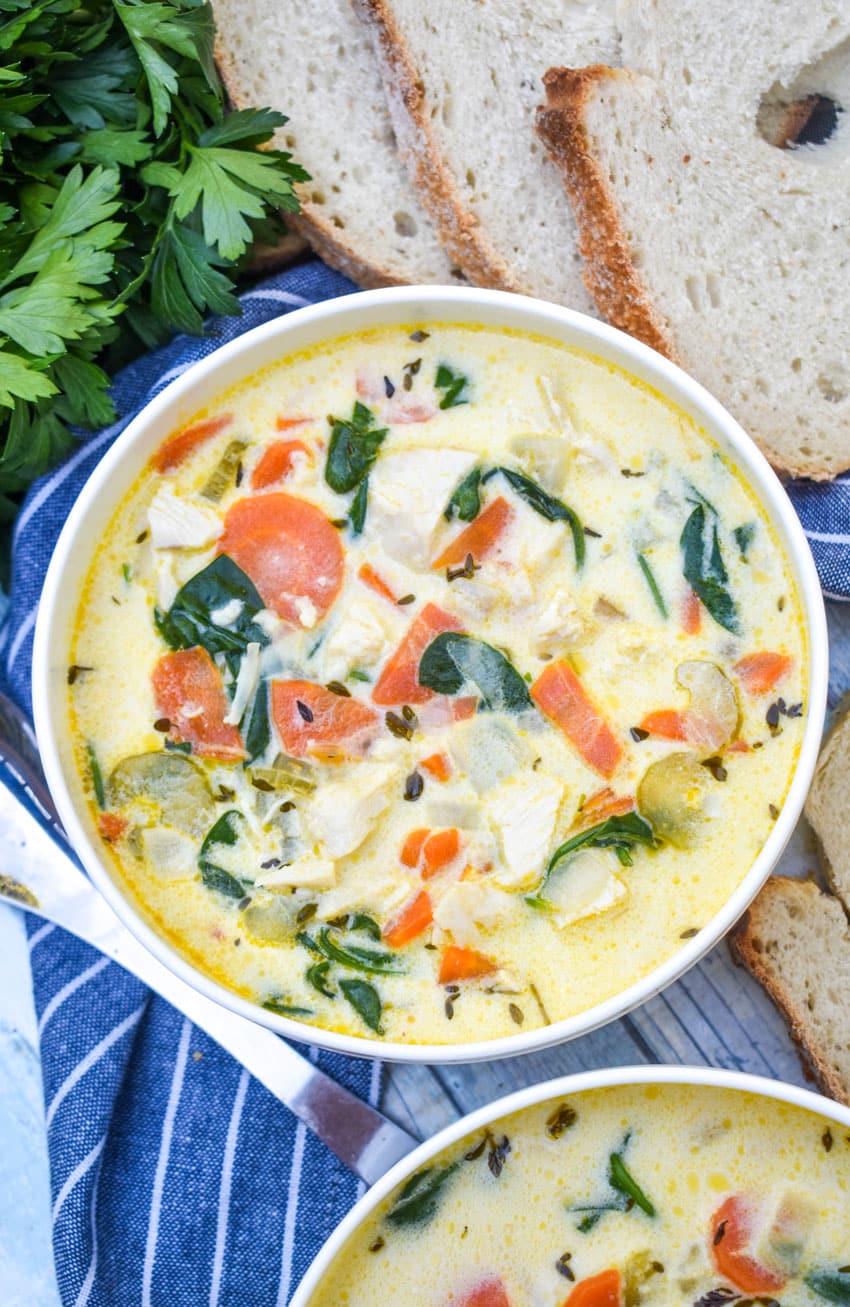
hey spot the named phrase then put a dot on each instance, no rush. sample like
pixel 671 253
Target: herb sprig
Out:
pixel 128 196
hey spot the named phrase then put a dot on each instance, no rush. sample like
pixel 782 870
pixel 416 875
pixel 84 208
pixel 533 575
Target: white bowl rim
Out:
pixel 439 304
pixel 563 1086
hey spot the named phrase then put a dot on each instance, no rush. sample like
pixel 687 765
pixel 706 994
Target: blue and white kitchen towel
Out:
pixel 176 1179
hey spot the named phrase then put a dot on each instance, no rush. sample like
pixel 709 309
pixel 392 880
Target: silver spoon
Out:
pixel 39 872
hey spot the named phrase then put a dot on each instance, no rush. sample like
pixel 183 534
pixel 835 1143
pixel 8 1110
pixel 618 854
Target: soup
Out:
pixel 653 1194
pixel 433 685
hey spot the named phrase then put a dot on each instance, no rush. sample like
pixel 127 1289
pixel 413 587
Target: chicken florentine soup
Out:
pixel 658 1194
pixel 437 684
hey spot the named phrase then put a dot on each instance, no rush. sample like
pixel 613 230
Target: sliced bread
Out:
pixel 719 248
pixel 463 80
pixel 796 942
pixel 828 805
pixel 313 61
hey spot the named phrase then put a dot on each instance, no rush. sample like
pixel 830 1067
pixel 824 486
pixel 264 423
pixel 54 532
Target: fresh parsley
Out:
pixel 128 196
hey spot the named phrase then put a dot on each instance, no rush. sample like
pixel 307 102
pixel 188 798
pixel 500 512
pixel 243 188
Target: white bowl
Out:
pixel 565 1086
pixel 263 346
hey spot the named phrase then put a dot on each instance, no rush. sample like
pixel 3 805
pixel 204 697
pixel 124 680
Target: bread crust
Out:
pixel 745 942
pixel 457 228
pixel 311 223
pixel 610 273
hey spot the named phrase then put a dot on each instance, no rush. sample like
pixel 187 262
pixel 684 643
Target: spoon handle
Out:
pixel 39 872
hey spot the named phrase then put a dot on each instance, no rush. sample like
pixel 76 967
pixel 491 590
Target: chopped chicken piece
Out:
pixel 179 523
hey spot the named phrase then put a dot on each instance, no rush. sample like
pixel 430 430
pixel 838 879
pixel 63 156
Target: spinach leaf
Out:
pixel 351 955
pixel 315 976
pixel 419 1199
pixel 189 620
pixel 96 776
pixel 357 512
pixel 594 1212
pixel 353 448
pixel 834 1286
pixel 649 577
pixel 548 506
pixel 225 831
pixel 285 1009
pixel 453 660
pixel 453 385
pixel 704 569
pixel 617 833
pixel 466 498
pixel 621 1179
pixel 358 921
pixel 365 1000
pixel 256 731
pixel 744 537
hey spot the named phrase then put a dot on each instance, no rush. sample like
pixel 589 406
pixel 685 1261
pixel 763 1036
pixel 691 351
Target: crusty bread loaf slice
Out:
pixel 463 80
pixel 828 805
pixel 717 247
pixel 312 60
pixel 796 942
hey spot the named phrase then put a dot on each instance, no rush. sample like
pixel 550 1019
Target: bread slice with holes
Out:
pixel 828 805
pixel 722 250
pixel 463 80
pixel 312 60
pixel 796 942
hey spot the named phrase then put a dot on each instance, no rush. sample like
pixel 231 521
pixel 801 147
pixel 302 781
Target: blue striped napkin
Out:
pixel 176 1179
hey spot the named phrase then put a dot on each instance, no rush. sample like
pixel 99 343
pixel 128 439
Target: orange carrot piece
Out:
pixel 666 724
pixel 289 550
pixel 177 448
pixel 286 424
pixel 411 849
pixel 729 1248
pixel 559 694
pixel 691 613
pixel 414 917
pixel 480 537
pixel 437 765
pixel 399 681
pixel 487 1293
pixel 602 805
pixel 111 826
pixel 323 719
pixel 188 690
pixel 759 672
pixel 602 1290
pixel 376 582
pixel 464 964
pixel 276 463
pixel 440 849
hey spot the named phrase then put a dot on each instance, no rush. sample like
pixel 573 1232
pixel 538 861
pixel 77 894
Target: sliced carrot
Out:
pixel 685 725
pixel 464 964
pixel 691 612
pixel 414 917
pixel 602 805
pixel 177 448
pixel 399 681
pixel 738 746
pixel 289 550
pixel 276 463
pixel 437 765
pixel 411 849
pixel 111 826
pixel 480 537
pixel 311 720
pixel 559 694
pixel 440 849
pixel 759 672
pixel 602 1290
pixel 729 1239
pixel 376 582
pixel 188 690
pixel 487 1293
pixel 286 424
